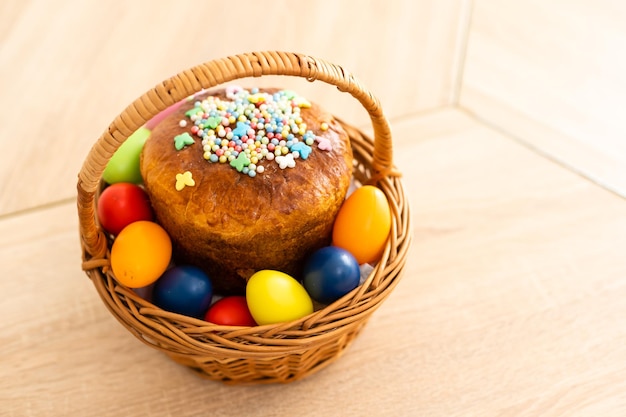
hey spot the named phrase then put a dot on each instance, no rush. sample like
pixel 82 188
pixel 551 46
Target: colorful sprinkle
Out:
pixel 286 161
pixel 301 102
pixel 241 130
pixel 256 98
pixel 182 140
pixel 289 95
pixel 213 122
pixel 240 162
pixel 323 143
pixel 251 127
pixel 193 111
pixel 324 126
pixel 232 90
pixel 183 180
pixel 302 149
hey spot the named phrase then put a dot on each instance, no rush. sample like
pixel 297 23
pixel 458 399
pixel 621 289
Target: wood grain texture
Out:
pixel 68 68
pixel 512 304
pixel 551 73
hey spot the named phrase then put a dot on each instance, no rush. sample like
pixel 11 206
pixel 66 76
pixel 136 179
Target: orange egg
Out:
pixel 363 223
pixel 140 254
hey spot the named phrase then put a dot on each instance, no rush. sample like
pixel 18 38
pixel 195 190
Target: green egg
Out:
pixel 124 165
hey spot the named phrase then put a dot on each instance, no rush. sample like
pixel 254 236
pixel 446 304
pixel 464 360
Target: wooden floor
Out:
pixel 508 128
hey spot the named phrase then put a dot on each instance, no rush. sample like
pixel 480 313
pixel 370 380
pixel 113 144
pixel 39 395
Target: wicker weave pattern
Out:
pixel 271 353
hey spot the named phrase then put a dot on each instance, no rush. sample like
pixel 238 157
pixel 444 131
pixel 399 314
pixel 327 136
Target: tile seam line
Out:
pixel 39 207
pixel 540 152
pixel 460 56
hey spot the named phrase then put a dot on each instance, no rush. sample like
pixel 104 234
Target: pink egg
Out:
pixel 151 124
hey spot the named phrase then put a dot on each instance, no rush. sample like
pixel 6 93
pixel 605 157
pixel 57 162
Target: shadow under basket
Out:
pixel 263 354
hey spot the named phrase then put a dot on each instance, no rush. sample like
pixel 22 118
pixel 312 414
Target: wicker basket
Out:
pixel 271 353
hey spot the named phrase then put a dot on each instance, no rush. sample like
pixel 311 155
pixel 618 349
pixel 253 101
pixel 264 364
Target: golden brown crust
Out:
pixel 232 225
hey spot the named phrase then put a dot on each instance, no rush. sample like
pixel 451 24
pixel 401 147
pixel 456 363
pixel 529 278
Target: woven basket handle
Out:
pixel 205 76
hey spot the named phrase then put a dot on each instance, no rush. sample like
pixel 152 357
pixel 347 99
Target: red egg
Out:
pixel 230 311
pixel 122 204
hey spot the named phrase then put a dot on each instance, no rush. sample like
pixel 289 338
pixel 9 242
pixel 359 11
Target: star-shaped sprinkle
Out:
pixel 269 129
pixel 323 143
pixel 240 162
pixel 182 140
pixel 241 129
pixel 286 161
pixel 183 180
pixel 302 148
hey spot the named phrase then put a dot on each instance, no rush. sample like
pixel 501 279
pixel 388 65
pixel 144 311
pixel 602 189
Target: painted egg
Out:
pixel 124 164
pixel 140 254
pixel 122 204
pixel 230 311
pixel 184 290
pixel 330 273
pixel 275 297
pixel 363 223
pixel 144 292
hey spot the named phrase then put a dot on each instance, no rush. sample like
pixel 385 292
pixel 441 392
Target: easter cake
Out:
pixel 245 180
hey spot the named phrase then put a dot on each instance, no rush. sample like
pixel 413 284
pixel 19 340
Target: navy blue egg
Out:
pixel 184 290
pixel 330 273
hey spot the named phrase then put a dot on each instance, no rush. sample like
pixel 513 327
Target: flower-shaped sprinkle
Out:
pixel 182 140
pixel 302 148
pixel 323 143
pixel 184 179
pixel 286 161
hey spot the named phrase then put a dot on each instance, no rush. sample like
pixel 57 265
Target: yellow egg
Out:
pixel 140 254
pixel 275 297
pixel 363 223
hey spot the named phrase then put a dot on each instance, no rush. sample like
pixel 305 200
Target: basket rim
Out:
pixel 161 329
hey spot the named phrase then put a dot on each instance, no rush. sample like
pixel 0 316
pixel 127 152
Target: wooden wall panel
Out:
pixel 68 68
pixel 552 74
